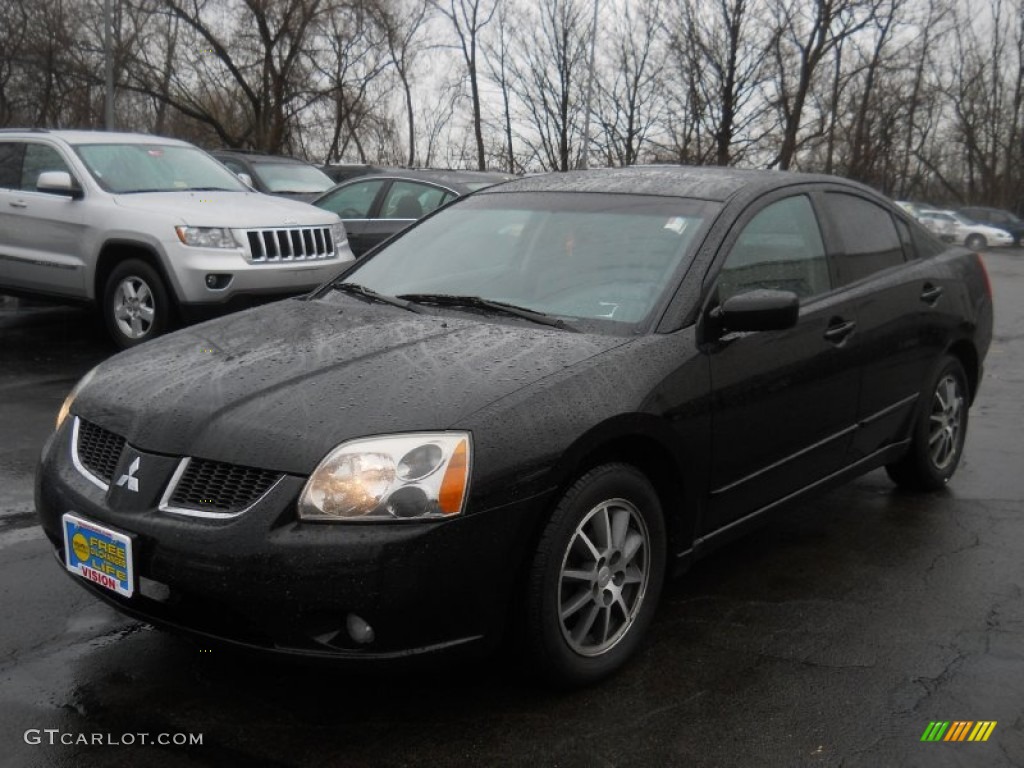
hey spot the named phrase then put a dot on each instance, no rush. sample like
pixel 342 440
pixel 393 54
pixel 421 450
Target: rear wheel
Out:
pixel 596 576
pixel 939 432
pixel 136 305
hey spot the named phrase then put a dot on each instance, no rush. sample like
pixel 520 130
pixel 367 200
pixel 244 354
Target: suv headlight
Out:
pixel 206 237
pixel 340 237
pixel 416 476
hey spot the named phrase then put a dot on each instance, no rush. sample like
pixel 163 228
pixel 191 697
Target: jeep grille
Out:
pixel 292 244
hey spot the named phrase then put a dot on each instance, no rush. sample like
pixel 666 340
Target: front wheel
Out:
pixel 937 440
pixel 595 579
pixel 136 305
pixel 976 242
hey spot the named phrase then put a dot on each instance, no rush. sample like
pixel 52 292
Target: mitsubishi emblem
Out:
pixel 129 477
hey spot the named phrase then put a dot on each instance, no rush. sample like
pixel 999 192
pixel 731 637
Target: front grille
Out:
pixel 291 244
pixel 219 488
pixel 98 450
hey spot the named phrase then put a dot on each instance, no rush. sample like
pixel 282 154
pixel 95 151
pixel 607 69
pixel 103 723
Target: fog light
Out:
pixel 217 282
pixel 358 629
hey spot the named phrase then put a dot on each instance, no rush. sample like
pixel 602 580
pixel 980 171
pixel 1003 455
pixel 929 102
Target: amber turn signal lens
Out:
pixel 453 486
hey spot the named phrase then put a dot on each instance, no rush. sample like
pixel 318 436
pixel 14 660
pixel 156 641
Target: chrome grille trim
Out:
pixel 77 460
pixel 271 246
pixel 165 504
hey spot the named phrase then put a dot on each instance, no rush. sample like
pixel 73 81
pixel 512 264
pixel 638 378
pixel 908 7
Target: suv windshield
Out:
pixel 292 177
pixel 599 261
pixel 128 168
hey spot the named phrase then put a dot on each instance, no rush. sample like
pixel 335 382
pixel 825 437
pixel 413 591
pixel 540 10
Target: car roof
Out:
pixel 96 137
pixel 258 157
pixel 714 183
pixel 456 180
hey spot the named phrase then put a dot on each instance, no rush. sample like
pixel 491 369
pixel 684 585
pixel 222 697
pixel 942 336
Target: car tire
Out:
pixel 136 304
pixel 937 439
pixel 596 576
pixel 976 242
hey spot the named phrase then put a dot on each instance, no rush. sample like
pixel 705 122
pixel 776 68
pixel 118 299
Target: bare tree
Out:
pixel 549 71
pixel 403 29
pixel 468 18
pixel 628 99
pixel 497 55
pixel 804 34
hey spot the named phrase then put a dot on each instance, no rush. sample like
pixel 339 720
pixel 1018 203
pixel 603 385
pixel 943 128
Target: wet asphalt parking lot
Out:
pixel 830 637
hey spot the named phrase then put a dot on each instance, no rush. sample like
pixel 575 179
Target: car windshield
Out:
pixel 292 177
pixel 964 219
pixel 600 262
pixel 131 168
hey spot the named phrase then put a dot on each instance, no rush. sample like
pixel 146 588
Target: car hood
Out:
pixel 237 210
pixel 279 386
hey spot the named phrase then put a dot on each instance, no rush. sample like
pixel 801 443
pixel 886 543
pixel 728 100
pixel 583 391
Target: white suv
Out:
pixel 148 228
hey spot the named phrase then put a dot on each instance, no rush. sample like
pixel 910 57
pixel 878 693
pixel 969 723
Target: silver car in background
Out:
pixel 150 229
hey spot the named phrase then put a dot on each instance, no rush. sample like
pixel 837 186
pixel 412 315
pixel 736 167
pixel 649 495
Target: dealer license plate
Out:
pixel 99 554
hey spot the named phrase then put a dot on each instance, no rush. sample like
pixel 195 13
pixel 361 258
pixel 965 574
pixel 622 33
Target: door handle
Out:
pixel 18 204
pixel 931 293
pixel 838 330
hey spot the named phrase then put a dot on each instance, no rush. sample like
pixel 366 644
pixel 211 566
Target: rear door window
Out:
pixel 408 200
pixel 869 237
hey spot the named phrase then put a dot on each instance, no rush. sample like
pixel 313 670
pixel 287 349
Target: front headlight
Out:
pixel 422 476
pixel 65 407
pixel 206 237
pixel 340 237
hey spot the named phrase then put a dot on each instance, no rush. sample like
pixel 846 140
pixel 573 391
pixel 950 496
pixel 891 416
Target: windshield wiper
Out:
pixel 212 189
pixel 478 302
pixel 368 293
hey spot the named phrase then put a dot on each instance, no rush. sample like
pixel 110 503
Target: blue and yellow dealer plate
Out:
pixel 99 554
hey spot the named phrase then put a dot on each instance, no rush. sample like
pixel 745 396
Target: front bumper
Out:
pixel 188 268
pixel 267 581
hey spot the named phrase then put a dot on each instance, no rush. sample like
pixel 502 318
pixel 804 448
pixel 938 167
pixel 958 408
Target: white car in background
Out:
pixel 956 228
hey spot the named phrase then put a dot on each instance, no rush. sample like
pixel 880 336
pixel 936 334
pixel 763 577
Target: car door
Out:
pixel 355 203
pixel 784 402
pixel 45 242
pixel 899 304
pixel 403 203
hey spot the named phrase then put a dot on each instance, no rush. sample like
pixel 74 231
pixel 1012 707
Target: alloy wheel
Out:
pixel 604 577
pixel 945 422
pixel 134 307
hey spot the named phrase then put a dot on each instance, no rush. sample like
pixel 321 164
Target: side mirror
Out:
pixel 759 310
pixel 58 183
pixel 246 179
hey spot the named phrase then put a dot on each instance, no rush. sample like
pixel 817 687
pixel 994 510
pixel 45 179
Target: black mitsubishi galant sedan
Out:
pixel 521 414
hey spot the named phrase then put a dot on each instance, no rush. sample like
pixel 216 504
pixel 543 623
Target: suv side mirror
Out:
pixel 758 310
pixel 246 179
pixel 58 183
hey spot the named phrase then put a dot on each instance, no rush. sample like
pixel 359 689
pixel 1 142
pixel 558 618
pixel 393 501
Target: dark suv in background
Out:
pixel 276 174
pixel 997 217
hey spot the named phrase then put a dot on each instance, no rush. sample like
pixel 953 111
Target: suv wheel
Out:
pixel 136 306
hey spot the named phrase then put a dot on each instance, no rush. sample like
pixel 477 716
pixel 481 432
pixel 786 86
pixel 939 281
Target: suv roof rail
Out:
pixel 24 130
